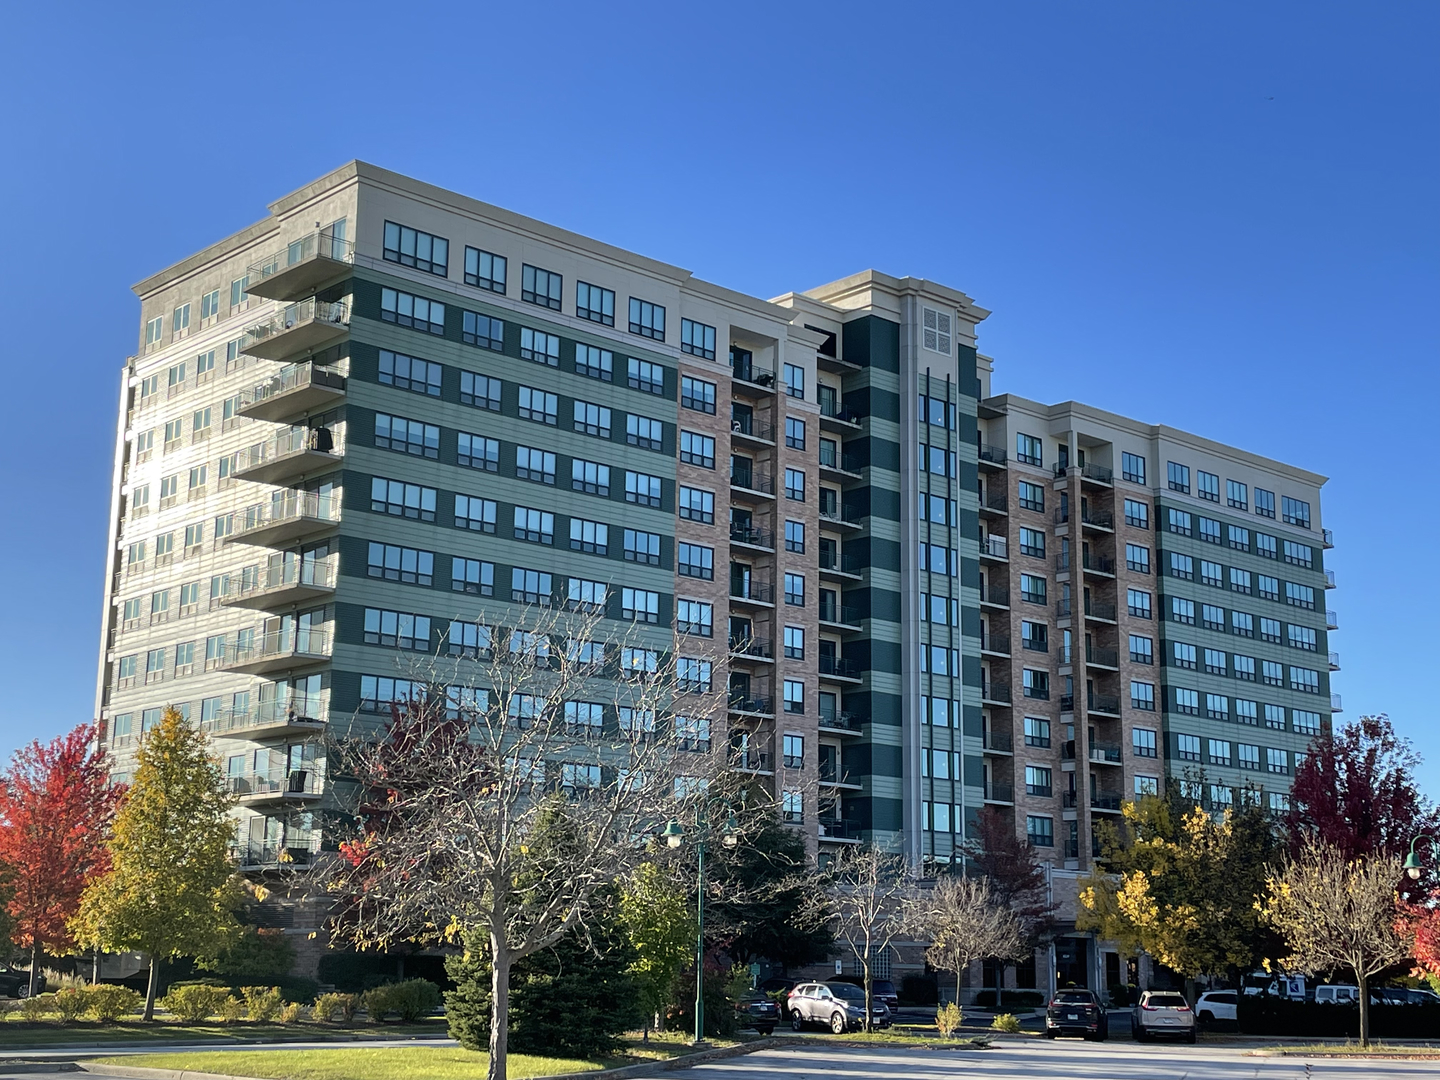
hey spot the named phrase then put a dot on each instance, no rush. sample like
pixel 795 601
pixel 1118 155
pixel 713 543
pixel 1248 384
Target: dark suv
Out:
pixel 880 989
pixel 15 983
pixel 1076 1012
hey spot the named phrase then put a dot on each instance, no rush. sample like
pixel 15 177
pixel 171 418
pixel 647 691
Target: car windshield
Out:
pixel 1074 997
pixel 846 991
pixel 1166 1001
pixel 883 986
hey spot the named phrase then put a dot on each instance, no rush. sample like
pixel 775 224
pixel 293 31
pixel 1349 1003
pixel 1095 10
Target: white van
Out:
pixel 1337 995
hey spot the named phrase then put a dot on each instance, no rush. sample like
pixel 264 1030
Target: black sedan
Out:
pixel 759 1012
pixel 1076 1012
pixel 15 983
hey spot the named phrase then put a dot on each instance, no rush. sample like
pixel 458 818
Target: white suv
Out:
pixel 1216 1005
pixel 839 1006
pixel 1163 1013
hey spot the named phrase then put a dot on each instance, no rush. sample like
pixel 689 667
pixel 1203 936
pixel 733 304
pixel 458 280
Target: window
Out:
pixel 1294 512
pixel 792 807
pixel 697 505
pixel 795 642
pixel 1033 636
pixel 475 452
pixel 594 479
pixel 1142 649
pixel 1243 667
pixel 1209 530
pixel 794 692
pixel 541 347
pixel 697 339
pixel 594 362
pixel 1304 680
pixel 1306 723
pixel 401 564
pixel 204 366
pixel 1246 712
pixel 1239 580
pixel 582 594
pixel 421 250
pixel 594 303
pixel 1037 732
pixel 540 287
pixel 1184 654
pixel 1301 637
pixel 535 526
pixel 1207 486
pixel 644 489
pixel 640 605
pixel 530 586
pixel 647 319
pixel 472 576
pixel 1249 756
pixel 1040 831
pixel 795 484
pixel 1239 538
pixel 645 433
pixel 937 412
pixel 408 373
pixel 1187 702
pixel 482 330
pixel 180 319
pixel 194 534
pixel 1212 573
pixel 591 419
pixel 1142 695
pixel 1038 781
pixel 1271 673
pixel 1236 495
pixel 1242 624
pixel 1270 630
pixel 198 476
pixel 1264 502
pixel 377 692
pixel 1215 662
pixel 1137 514
pixel 533 464
pixel 644 547
pixel 940 560
pixel 1217 706
pixel 1029 450
pixel 1182 610
pixel 1213 617
pixel 1032 542
pixel 1137 603
pixel 1219 751
pixel 238 293
pixel 399 499
pixel 1187 747
pixel 795 433
pixel 397 629
pixel 1182 566
pixel 164 547
pixel 1277 761
pixel 1132 468
pixel 416 312
pixel 1032 589
pixel 691 560
pixel 795 381
pixel 1269 587
pixel 1299 554
pixel 795 536
pixel 1265 545
pixel 935 508
pixel 697 394
pixel 795 590
pixel 1143 742
pixel 694 617
pixel 643 375
pixel 1137 558
pixel 1179 477
pixel 474 513
pixel 1037 684
pixel 538 405
pixel 407 436
pixel 1275 717
pixel 1032 497
pixel 592 537
pixel 484 270
pixel 937 460
pixel 1180 522
pixel 210 304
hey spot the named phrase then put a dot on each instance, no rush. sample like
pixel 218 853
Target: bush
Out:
pixel 57 980
pixel 1124 995
pixel 255 954
pixel 262 1003
pixel 37 1007
pixel 411 999
pixel 292 1013
pixel 327 1006
pixel 1006 1022
pixel 195 1002
pixel 1027 998
pixel 919 990
pixel 70 1003
pixel 107 1002
pixel 1265 1014
pixel 948 1018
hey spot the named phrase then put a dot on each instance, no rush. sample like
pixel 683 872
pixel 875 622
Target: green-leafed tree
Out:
pixel 169 891
pixel 658 921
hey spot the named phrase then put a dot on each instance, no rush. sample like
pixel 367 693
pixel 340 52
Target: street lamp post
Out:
pixel 674 835
pixel 1413 865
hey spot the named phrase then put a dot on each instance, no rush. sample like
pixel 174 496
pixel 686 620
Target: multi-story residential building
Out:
pixel 367 426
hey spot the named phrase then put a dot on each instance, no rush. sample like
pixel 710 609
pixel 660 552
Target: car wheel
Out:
pixel 837 1023
pixel 766 1030
pixel 1102 1035
pixel 797 1022
pixel 1207 1017
pixel 22 991
pixel 1050 1033
pixel 1140 1035
pixel 1191 1038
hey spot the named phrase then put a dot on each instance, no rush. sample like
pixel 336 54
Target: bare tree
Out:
pixel 545 734
pixel 965 921
pixel 1336 912
pixel 869 895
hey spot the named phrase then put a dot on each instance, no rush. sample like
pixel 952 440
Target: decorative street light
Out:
pixel 1413 865
pixel 674 835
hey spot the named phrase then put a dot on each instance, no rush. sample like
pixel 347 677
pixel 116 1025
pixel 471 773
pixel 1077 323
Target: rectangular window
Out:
pixel 534 464
pixel 394 563
pixel 1271 673
pixel 1038 781
pixel 795 435
pixel 416 312
pixel 1207 486
pixel 472 576
pixel 692 560
pixel 795 485
pixel 399 499
pixel 1304 680
pixel 1182 610
pixel 1265 545
pixel 643 375
pixel 697 449
pixel 1029 450
pixel 1037 684
pixel 1299 554
pixel 407 436
pixel 1219 751
pixel 1243 667
pixel 694 617
pixel 1132 468
pixel 531 586
pixel 420 250
pixel 795 381
pixel 482 330
pixel 1275 717
pixel 697 505
pixel 697 339
pixel 1269 587
pixel 538 405
pixel 795 536
pixel 1142 696
pixel 694 676
pixel 1306 723
pixel 644 547
pixel 1209 530
pixel 1270 630
pixel 1212 573
pixel 1187 747
pixel 591 419
pixel 594 362
pixel 540 347
pixel 1215 662
pixel 1277 761
pixel 484 270
pixel 1142 742
pixel 1032 542
pixel 1179 477
pixel 1295 511
pixel 645 433
pixel 640 605
pixel 644 489
pixel 697 394
pixel 1032 589
pixel 1137 514
pixel 1184 654
pixel 1137 558
pixel 475 513
pixel 1301 637
pixel 1242 624
pixel 1264 502
pixel 1142 649
pixel 1182 566
pixel 1248 756
pixel 475 452
pixel 1040 831
pixel 591 537
pixel 1217 706
pixel 180 320
pixel 1236 495
pixel 540 287
pixel 535 526
pixel 795 590
pixel 408 373
pixel 1033 636
pixel 647 319
pixel 397 629
pixel 1037 732
pixel 1239 538
pixel 1239 580
pixel 1032 497
pixel 1180 522
pixel 584 595
pixel 1137 603
pixel 594 303
pixel 1246 712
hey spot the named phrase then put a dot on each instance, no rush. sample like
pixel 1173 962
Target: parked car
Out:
pixel 759 1012
pixel 880 989
pixel 1216 1005
pixel 1337 995
pixel 1076 1012
pixel 1163 1013
pixel 778 983
pixel 838 1005
pixel 15 982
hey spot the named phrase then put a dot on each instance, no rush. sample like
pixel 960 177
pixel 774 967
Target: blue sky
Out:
pixel 1221 217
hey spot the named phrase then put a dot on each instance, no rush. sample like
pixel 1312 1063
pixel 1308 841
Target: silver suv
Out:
pixel 839 1006
pixel 1163 1013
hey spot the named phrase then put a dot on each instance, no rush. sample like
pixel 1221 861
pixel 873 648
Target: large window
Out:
pixel 400 499
pixel 541 287
pixel 694 560
pixel 1295 512
pixel 594 362
pixel 647 319
pixel 591 477
pixel 697 505
pixel 591 537
pixel 541 347
pixel 1137 514
pixel 1029 450
pixel 1142 742
pixel 1040 831
pixel 1179 476
pixel 644 547
pixel 1132 468
pixel 534 464
pixel 697 339
pixel 697 449
pixel 485 270
pixel 644 489
pixel 408 373
pixel 421 250
pixel 1264 502
pixel 594 303
pixel 416 312
pixel 474 513
pixel 482 330
pixel 538 405
pixel 644 432
pixel 1207 486
pixel 407 436
pixel 403 564
pixel 644 375
pixel 591 419
pixel 697 394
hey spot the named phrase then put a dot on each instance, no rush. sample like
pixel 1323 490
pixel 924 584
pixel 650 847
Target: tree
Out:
pixel 868 898
pixel 1356 790
pixel 544 735
pixel 56 808
pixel 965 920
pixel 1418 925
pixel 1181 884
pixel 169 890
pixel 1016 876
pixel 1337 912
pixel 655 914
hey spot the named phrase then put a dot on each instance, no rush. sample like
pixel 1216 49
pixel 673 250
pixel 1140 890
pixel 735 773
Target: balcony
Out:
pixel 832 776
pixel 837 417
pixel 287 517
pixel 1332 620
pixel 749 648
pixel 278 650
pixel 753 761
pixel 1069 800
pixel 995 596
pixel 288 457
pixel 752 590
pixel 841 565
pixel 1098 519
pixel 1095 474
pixel 297 390
pixel 1335 705
pixel 301 266
pixel 1101 611
pixel 843 722
pixel 1099 656
pixel 838 668
pixel 750 376
pixel 1103 703
pixel 1328 537
pixel 755 536
pixel 1334 661
pixel 994 548
pixel 845 466
pixel 992 457
pixel 302 785
pixel 997 792
pixel 288 582
pixel 298 329
pixel 258 856
pixel 994 504
pixel 750 704
pixel 751 485
pixel 997 742
pixel 994 693
pixel 1329 579
pixel 1106 753
pixel 998 644
pixel 752 429
pixel 843 517
pixel 839 830
pixel 1098 564
pixel 1067 703
pixel 299 717
pixel 842 616
pixel 1107 801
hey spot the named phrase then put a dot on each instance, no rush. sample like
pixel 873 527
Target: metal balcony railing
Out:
pixel 752 760
pixel 290 379
pixel 290 507
pixel 997 740
pixel 751 702
pixel 746 371
pixel 309 709
pixel 833 410
pixel 752 426
pixel 1330 579
pixel 754 535
pixel 837 666
pixel 1103 703
pixel 1335 705
pixel 996 501
pixel 1069 800
pixel 1104 751
pixel 752 480
pixel 1100 519
pixel 992 455
pixel 995 692
pixel 995 547
pixel 299 440
pixel 1332 620
pixel 1099 564
pixel 754 589
pixel 278 644
pixel 841 564
pixel 298 782
pixel 830 459
pixel 1064 608
pixel 840 721
pixel 299 851
pixel 289 574
pixel 1099 473
pixel 996 643
pixel 1099 654
pixel 995 791
pixel 839 829
pixel 761 648
pixel 998 595
pixel 1328 537
pixel 1105 800
pixel 1099 609
pixel 843 614
pixel 844 515
pixel 292 315
pixel 1334 661
pixel 322 244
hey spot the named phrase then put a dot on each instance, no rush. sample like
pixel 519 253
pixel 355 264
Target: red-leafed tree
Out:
pixel 1356 790
pixel 1017 879
pixel 56 807
pixel 1419 927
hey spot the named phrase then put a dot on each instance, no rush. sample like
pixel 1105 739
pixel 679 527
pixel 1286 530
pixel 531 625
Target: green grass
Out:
pixel 355 1063
pixel 20 1035
pixel 1350 1049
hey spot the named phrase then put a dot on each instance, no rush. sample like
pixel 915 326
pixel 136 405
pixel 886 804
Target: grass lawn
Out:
pixel 1351 1049
pixel 355 1063
pixel 16 1034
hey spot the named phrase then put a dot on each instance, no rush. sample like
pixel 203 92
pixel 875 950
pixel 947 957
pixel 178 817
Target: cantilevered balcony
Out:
pixel 258 855
pixel 296 330
pixel 301 267
pixel 277 650
pixel 836 721
pixel 302 785
pixel 294 391
pixel 838 668
pixel 293 581
pixel 297 717
pixel 297 453
pixel 285 518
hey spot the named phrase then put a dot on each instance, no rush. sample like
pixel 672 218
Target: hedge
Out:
pixel 1265 1014
pixel 985 999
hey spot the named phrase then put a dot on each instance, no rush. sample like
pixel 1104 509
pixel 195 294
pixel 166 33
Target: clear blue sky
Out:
pixel 1219 216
